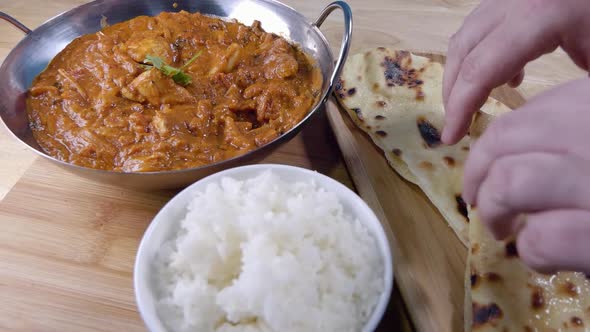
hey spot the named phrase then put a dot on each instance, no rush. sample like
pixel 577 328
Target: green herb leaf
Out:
pixel 177 74
pixel 169 70
pixel 155 60
pixel 192 60
pixel 182 79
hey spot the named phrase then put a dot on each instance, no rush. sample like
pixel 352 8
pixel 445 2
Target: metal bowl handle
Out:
pixel 346 37
pixel 15 22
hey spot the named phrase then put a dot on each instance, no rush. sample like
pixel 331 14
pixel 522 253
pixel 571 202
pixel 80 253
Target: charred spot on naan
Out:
pixel 429 133
pixel 398 72
pixel 569 289
pixel 450 161
pixel 358 113
pixel 381 133
pixel 426 165
pixel 493 277
pixel 379 117
pixel 397 152
pixel 511 250
pixel 577 321
pixel 537 298
pixel 420 95
pixel 485 314
pixel 381 103
pixel 474 280
pixel 462 206
pixel 339 88
pixel 351 91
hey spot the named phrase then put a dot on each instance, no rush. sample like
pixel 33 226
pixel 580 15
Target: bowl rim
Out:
pixel 143 292
pixel 313 110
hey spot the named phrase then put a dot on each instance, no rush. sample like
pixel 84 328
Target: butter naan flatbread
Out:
pixel 396 98
pixel 503 295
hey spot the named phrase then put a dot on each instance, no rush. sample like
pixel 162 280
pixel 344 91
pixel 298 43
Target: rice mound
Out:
pixel 267 255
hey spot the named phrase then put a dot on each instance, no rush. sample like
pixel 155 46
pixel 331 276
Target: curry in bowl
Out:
pixel 170 92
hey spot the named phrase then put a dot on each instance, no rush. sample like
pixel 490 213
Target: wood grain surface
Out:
pixel 429 258
pixel 67 245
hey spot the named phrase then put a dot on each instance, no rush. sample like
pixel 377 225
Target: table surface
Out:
pixel 423 25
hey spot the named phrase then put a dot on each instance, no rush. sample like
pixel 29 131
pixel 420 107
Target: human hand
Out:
pixel 494 44
pixel 536 161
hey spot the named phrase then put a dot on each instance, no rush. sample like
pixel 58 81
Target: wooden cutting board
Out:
pixel 67 244
pixel 429 259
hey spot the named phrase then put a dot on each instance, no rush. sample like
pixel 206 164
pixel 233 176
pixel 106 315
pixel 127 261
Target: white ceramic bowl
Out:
pixel 165 223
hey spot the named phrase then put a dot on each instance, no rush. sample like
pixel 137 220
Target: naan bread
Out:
pixel 503 295
pixel 396 98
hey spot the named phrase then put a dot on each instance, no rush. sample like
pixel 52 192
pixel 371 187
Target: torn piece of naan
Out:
pixel 396 98
pixel 504 295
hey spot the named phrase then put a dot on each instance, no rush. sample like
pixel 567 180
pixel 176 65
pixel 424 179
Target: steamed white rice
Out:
pixel 268 255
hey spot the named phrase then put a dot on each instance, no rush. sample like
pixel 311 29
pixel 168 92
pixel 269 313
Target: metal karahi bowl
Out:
pixel 35 51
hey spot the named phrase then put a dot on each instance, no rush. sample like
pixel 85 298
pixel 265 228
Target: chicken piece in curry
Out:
pixel 174 91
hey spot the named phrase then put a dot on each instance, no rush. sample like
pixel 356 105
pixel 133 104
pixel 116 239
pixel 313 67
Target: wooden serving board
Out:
pixel 429 259
pixel 68 245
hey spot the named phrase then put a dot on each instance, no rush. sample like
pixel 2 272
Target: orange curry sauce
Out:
pixel 97 105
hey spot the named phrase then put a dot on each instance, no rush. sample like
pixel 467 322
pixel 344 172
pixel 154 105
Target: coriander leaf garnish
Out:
pixel 156 61
pixel 182 79
pixel 191 60
pixel 177 74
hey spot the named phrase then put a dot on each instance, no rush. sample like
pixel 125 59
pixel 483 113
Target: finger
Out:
pixel 476 26
pixel 494 61
pixel 528 183
pixel 539 126
pixel 556 241
pixel 517 80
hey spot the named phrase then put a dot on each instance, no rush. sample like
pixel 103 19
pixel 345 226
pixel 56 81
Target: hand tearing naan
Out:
pixel 536 160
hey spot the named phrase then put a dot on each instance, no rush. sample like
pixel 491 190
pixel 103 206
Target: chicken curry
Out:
pixel 174 91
